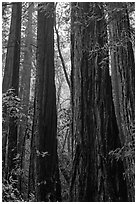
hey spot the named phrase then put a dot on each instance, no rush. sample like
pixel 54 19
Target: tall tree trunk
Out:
pixel 11 72
pixel 94 123
pixel 32 169
pixel 11 80
pixel 45 114
pixel 123 83
pixel 25 95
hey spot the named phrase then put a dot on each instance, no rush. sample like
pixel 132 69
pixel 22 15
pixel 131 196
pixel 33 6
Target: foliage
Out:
pixel 127 152
pixel 64 118
pixel 9 192
pixel 6 17
pixel 64 150
pixel 11 106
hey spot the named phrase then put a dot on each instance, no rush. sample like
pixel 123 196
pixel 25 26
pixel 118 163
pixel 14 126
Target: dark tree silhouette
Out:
pixel 11 80
pixel 45 119
pixel 94 124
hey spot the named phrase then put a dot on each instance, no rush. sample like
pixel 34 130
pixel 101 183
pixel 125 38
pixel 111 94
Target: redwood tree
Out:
pixel 123 85
pixel 11 80
pixel 11 72
pixel 25 80
pixel 45 119
pixel 94 127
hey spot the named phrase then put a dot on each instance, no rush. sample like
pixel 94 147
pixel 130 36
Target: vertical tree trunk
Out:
pixel 45 115
pixel 25 95
pixel 94 123
pixel 11 79
pixel 123 82
pixel 11 72
pixel 26 72
pixel 32 169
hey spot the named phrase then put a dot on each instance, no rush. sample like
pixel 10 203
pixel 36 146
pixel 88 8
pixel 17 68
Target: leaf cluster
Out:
pixel 64 117
pixel 127 152
pixel 9 192
pixel 11 106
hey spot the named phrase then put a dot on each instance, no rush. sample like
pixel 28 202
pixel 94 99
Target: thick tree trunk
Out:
pixel 25 95
pixel 123 83
pixel 11 72
pixel 11 80
pixel 94 123
pixel 45 114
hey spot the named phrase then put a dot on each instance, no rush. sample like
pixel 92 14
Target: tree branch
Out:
pixel 61 57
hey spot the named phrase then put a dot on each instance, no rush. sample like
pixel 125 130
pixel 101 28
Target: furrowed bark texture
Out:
pixel 94 125
pixel 45 116
pixel 25 95
pixel 123 83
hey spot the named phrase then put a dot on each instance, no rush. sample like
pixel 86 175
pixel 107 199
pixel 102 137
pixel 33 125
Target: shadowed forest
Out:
pixel 68 102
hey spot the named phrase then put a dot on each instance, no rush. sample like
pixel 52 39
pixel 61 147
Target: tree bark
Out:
pixel 123 82
pixel 11 72
pixel 11 80
pixel 45 116
pixel 25 96
pixel 94 125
